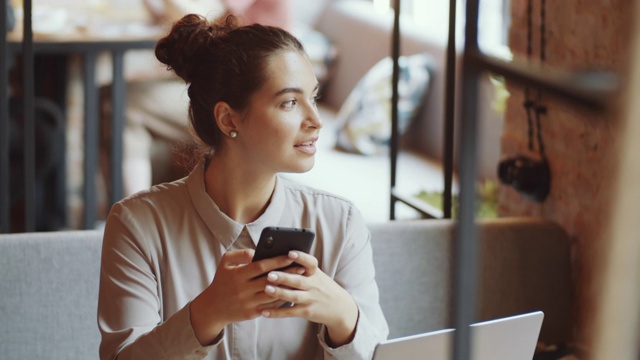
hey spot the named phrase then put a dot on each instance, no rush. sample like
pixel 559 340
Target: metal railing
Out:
pixel 4 122
pixel 426 210
pixel 89 51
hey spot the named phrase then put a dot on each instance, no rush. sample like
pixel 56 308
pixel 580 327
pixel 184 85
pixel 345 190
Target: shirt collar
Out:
pixel 223 228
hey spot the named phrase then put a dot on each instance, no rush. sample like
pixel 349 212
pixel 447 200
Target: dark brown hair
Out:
pixel 221 61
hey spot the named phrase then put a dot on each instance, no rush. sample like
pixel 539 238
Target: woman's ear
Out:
pixel 225 117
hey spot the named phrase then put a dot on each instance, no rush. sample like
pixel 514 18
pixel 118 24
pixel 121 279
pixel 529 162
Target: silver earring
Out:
pixel 233 134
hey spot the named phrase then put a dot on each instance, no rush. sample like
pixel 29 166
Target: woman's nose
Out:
pixel 313 117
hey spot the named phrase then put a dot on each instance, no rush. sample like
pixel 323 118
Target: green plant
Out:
pixel 486 200
pixel 499 103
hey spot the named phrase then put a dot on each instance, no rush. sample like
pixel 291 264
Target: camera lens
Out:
pixel 530 177
pixel 269 243
pixel 506 171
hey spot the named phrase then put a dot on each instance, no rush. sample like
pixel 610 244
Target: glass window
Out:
pixel 432 17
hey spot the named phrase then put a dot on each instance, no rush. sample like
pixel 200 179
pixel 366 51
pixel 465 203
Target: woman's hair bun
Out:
pixel 191 37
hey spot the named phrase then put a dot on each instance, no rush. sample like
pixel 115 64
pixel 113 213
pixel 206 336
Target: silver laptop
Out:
pixel 510 338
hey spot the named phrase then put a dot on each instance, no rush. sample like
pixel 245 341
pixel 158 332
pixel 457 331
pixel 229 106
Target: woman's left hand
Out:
pixel 316 297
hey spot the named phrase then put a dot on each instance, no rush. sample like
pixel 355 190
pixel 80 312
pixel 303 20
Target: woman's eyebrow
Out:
pixel 294 90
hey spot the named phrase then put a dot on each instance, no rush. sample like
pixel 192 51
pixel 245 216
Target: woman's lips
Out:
pixel 307 147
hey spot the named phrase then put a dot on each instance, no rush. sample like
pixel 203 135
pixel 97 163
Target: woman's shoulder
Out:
pixel 321 204
pixel 314 194
pixel 163 196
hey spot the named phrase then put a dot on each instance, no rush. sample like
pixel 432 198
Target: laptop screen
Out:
pixel 509 338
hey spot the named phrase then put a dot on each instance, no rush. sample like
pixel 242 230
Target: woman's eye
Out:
pixel 289 104
pixel 315 98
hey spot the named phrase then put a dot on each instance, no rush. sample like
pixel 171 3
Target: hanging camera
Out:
pixel 529 176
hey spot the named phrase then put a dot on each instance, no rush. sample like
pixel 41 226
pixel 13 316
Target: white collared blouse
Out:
pixel 162 247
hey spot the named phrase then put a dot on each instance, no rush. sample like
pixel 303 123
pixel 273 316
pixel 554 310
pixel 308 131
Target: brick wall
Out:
pixel 580 145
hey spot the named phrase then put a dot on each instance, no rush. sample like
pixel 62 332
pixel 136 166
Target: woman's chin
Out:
pixel 302 168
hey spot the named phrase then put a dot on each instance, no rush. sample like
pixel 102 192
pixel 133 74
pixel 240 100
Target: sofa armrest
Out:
pixel 524 266
pixel 49 295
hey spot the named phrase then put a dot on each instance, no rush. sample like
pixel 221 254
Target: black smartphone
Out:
pixel 276 241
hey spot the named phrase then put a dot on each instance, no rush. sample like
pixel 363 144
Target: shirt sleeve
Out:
pixel 129 304
pixel 356 274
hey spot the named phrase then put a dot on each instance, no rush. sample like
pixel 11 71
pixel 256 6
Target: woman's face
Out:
pixel 280 126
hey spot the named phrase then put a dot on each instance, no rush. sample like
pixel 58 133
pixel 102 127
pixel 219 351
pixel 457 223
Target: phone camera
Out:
pixel 269 242
pixel 528 176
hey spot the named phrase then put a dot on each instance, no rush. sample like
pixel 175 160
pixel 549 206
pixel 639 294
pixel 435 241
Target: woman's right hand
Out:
pixel 236 293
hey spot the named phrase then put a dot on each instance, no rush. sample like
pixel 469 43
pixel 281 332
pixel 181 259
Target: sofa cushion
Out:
pixel 366 113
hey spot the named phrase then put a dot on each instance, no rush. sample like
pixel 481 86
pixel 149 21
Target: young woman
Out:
pixel 177 281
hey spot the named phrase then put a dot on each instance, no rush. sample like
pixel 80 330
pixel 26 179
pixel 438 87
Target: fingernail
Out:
pixel 266 313
pixel 300 270
pixel 272 277
pixel 270 289
pixel 293 255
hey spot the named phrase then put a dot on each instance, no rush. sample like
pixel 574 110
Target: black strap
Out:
pixel 535 108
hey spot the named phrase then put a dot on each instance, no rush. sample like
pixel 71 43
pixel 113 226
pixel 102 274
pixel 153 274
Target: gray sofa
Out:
pixel 49 295
pixel 524 266
pixel 49 285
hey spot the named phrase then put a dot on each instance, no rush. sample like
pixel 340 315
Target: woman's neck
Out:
pixel 239 192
